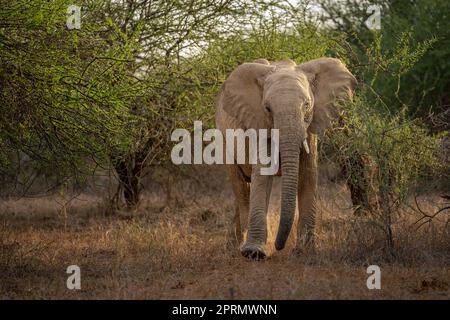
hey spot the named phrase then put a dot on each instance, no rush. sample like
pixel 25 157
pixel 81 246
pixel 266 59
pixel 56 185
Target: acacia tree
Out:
pixel 110 93
pixel 424 87
pixel 65 94
pixel 171 35
pixel 398 151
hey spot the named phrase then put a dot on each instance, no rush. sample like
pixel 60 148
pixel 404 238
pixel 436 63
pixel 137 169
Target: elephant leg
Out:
pixel 307 195
pixel 241 190
pixel 260 189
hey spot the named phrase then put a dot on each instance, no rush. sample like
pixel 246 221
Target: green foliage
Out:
pixel 65 94
pixel 419 24
pixel 399 151
pixel 398 157
pixel 425 86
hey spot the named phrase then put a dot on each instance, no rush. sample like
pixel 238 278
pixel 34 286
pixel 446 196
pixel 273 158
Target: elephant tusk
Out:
pixel 305 145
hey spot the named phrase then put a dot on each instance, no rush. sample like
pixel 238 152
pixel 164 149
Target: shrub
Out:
pixel 385 152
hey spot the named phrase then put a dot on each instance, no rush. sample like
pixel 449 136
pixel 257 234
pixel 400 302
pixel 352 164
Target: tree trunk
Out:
pixel 357 182
pixel 129 174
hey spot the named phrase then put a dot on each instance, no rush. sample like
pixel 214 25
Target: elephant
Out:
pixel 301 101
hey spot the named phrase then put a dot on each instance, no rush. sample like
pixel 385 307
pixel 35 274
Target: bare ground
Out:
pixel 177 248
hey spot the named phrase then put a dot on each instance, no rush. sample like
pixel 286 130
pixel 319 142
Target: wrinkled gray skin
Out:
pixel 300 101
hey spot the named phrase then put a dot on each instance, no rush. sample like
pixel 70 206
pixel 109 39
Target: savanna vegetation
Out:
pixel 85 126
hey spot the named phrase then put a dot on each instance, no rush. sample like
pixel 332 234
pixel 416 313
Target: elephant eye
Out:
pixel 267 107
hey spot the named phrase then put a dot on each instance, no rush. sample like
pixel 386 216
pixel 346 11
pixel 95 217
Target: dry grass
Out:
pixel 179 250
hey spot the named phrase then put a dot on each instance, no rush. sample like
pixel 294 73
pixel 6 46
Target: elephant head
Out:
pixel 296 99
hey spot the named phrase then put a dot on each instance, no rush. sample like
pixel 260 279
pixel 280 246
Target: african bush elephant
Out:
pixel 300 101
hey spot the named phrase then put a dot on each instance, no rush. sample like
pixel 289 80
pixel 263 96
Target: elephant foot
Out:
pixel 253 251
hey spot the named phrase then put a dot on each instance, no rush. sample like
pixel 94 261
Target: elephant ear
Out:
pixel 242 95
pixel 331 84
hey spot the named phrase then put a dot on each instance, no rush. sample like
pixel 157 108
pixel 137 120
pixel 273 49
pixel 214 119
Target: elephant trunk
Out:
pixel 291 138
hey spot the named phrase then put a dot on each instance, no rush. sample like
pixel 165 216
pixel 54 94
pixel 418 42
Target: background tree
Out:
pixel 65 94
pixel 169 34
pixel 425 85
